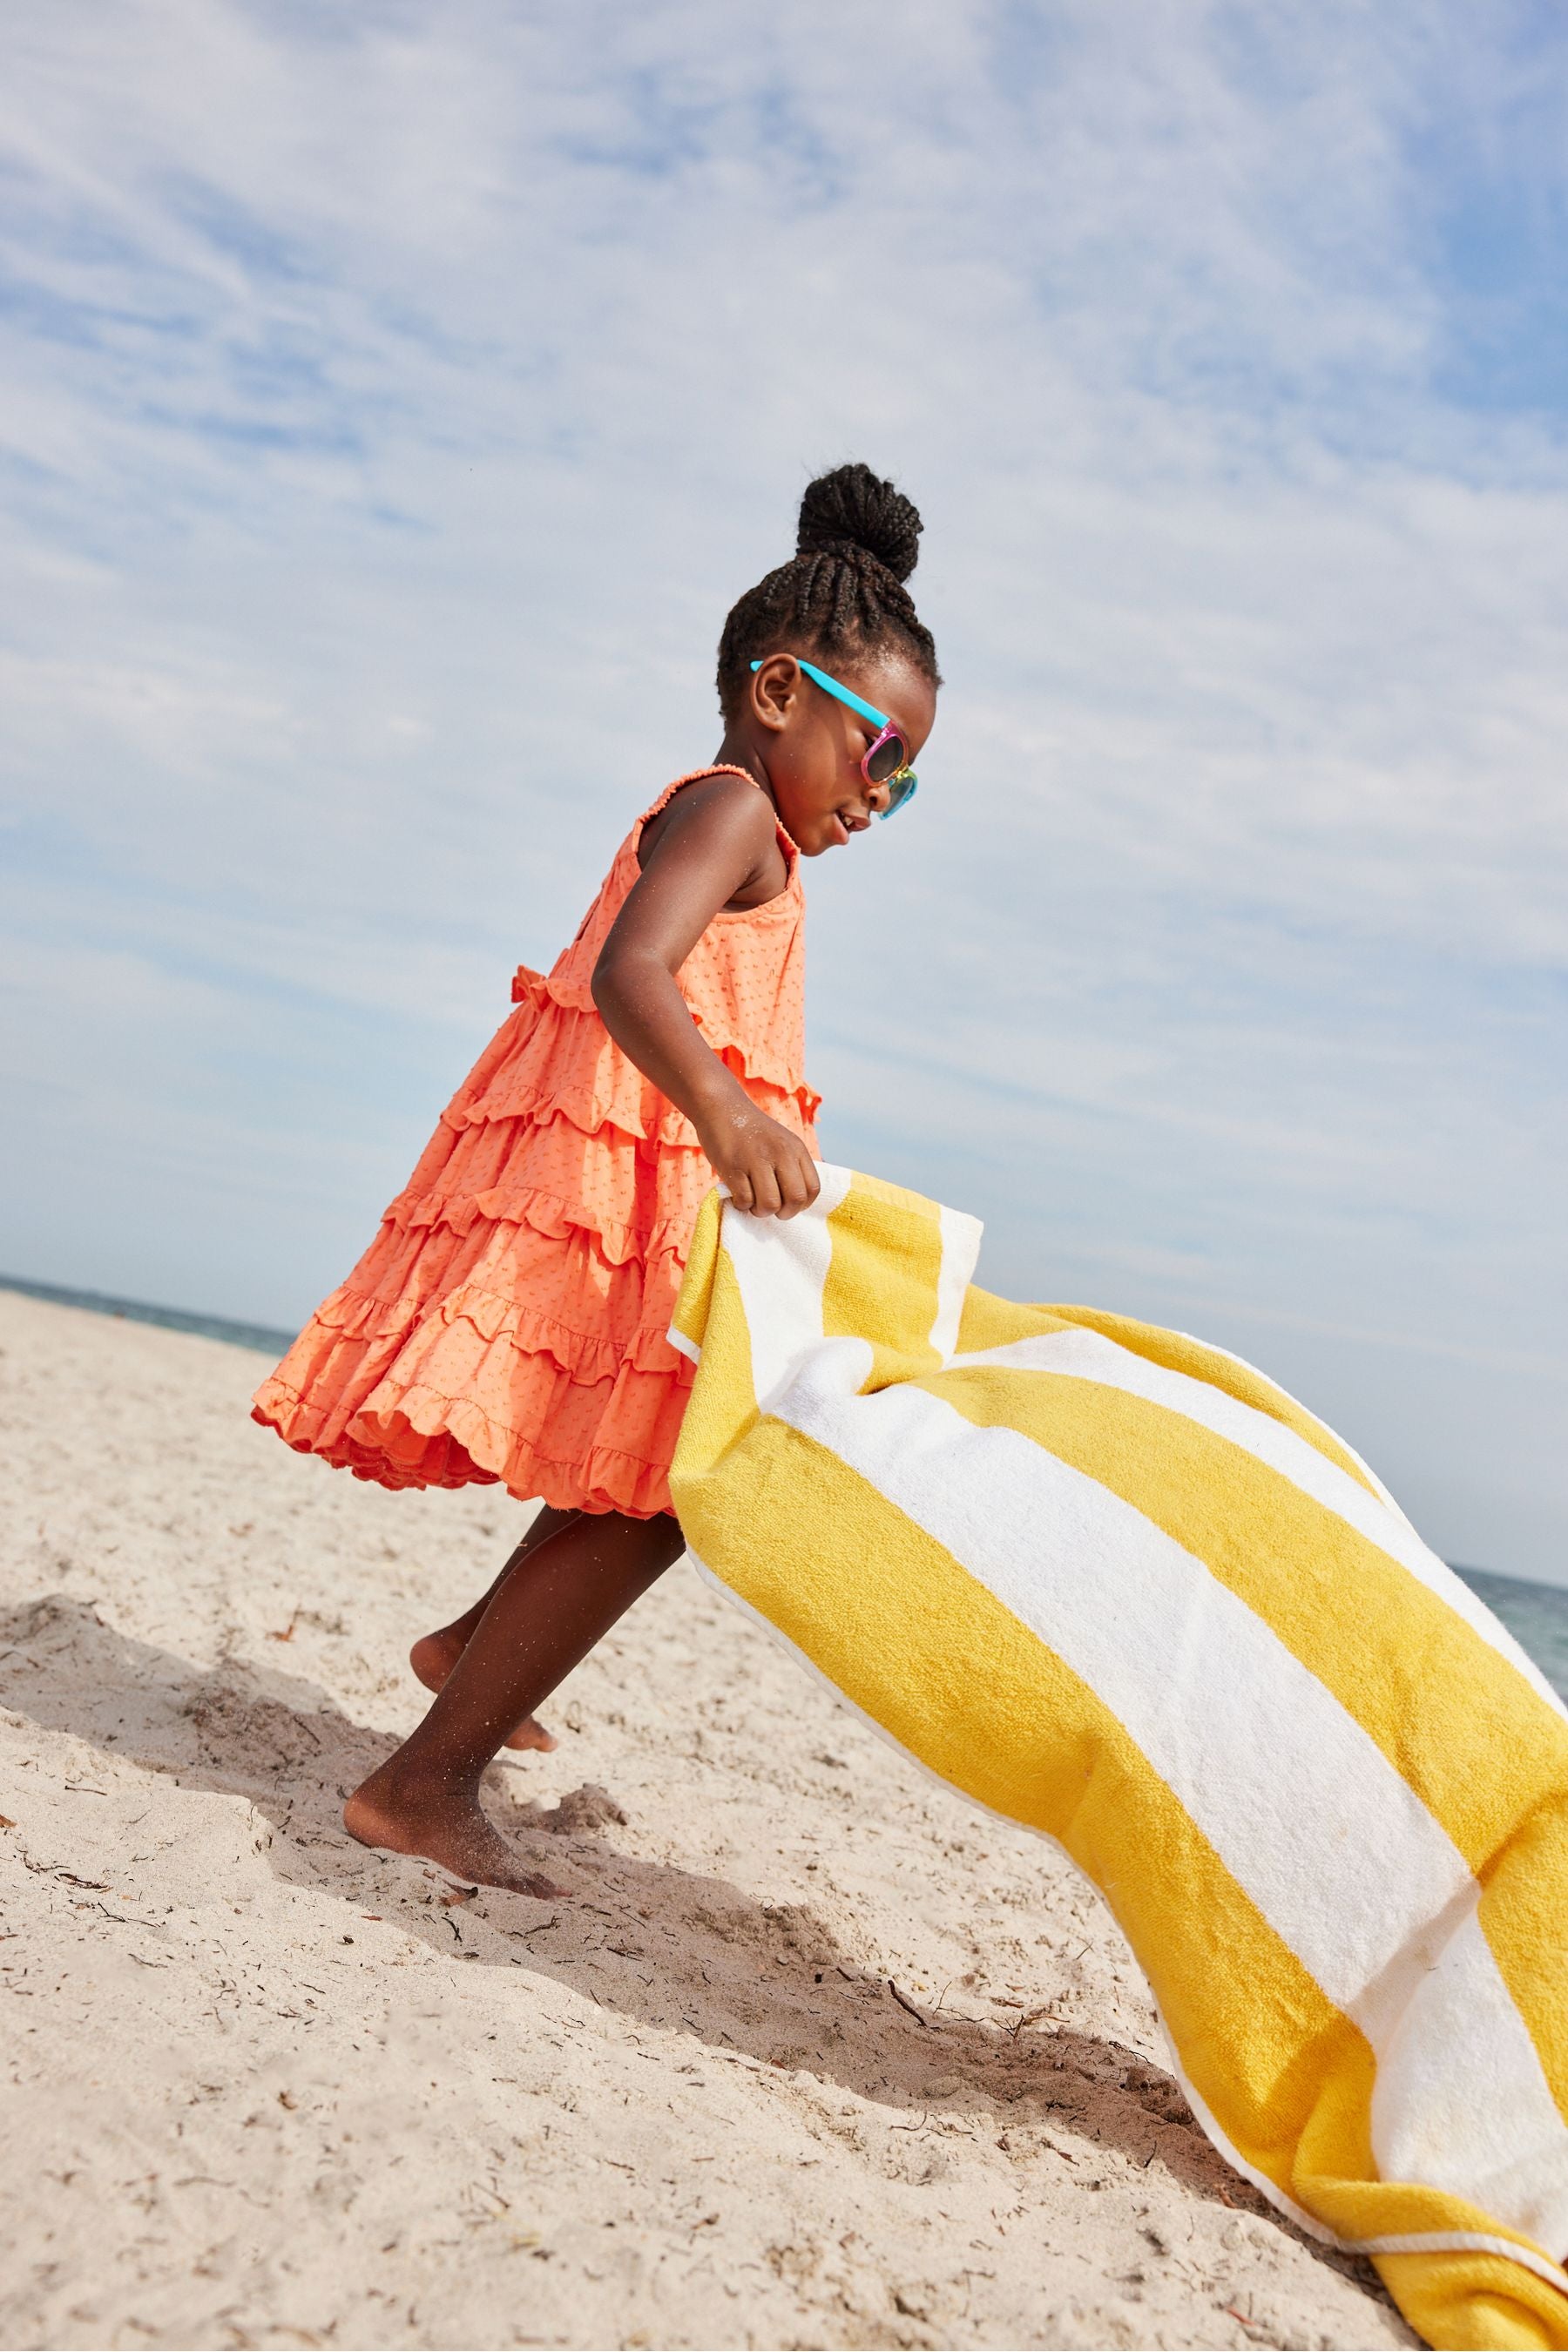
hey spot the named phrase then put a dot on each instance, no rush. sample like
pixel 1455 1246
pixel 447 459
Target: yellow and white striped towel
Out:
pixel 1116 1585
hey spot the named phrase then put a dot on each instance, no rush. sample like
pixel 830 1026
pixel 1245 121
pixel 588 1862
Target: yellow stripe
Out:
pixel 1476 2300
pixel 988 1321
pixel 1463 1731
pixel 893 1618
pixel 694 1305
pixel 722 1405
pixel 882 1276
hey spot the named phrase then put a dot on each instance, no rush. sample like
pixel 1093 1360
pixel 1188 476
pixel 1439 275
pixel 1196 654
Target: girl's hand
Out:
pixel 768 1171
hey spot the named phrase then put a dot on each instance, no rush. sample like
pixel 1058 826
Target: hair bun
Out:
pixel 851 507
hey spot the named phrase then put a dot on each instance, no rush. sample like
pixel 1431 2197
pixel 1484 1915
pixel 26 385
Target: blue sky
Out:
pixel 397 395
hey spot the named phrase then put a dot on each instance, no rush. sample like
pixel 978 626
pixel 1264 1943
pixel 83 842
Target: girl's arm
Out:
pixel 718 843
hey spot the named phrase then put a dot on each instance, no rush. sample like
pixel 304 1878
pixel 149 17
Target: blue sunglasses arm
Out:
pixel 831 685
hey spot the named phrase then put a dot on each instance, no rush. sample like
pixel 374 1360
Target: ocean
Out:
pixel 259 1336
pixel 1535 1614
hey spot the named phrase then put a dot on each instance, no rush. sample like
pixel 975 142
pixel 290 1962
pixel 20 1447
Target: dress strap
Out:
pixel 696 775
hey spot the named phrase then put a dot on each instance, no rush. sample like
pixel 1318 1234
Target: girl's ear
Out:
pixel 774 690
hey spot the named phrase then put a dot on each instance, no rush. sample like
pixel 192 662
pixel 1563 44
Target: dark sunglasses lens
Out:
pixel 886 761
pixel 900 794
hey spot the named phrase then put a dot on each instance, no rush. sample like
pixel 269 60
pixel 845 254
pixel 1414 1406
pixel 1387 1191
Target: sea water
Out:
pixel 259 1336
pixel 1535 1614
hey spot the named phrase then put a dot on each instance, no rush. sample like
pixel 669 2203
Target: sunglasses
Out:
pixel 886 764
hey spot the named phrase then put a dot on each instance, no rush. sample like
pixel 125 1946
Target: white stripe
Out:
pixel 781 1269
pixel 1461 2241
pixel 1089 1356
pixel 961 1237
pixel 1461 2102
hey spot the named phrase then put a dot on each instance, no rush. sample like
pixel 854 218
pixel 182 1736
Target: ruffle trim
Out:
pixel 593 1108
pixel 338 1394
pixel 432 1441
pixel 421 1210
pixel 360 1317
pixel 749 1059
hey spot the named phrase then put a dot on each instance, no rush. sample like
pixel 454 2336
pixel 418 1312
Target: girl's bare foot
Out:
pixel 403 1812
pixel 433 1657
pixel 557 1596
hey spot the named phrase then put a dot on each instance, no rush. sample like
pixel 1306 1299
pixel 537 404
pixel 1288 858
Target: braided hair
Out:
pixel 842 592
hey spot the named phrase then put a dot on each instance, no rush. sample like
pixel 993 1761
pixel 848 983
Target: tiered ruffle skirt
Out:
pixel 509 1321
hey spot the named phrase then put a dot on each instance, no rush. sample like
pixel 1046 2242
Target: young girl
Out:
pixel 508 1322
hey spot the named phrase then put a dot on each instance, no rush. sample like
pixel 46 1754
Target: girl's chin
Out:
pixel 828 832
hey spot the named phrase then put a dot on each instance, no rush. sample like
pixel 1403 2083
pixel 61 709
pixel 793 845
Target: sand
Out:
pixel 816 2054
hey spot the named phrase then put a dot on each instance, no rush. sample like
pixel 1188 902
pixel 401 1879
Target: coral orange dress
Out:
pixel 508 1322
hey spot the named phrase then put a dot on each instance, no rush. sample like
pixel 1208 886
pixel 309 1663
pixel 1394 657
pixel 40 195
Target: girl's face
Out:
pixel 810 745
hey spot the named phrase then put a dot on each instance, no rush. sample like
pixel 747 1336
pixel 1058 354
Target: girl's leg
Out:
pixel 561 1596
pixel 434 1655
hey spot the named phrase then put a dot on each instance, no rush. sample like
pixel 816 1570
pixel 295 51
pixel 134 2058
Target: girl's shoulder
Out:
pixel 724 796
pixel 722 811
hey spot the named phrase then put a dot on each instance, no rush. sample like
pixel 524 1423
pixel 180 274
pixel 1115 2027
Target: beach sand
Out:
pixel 816 2054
